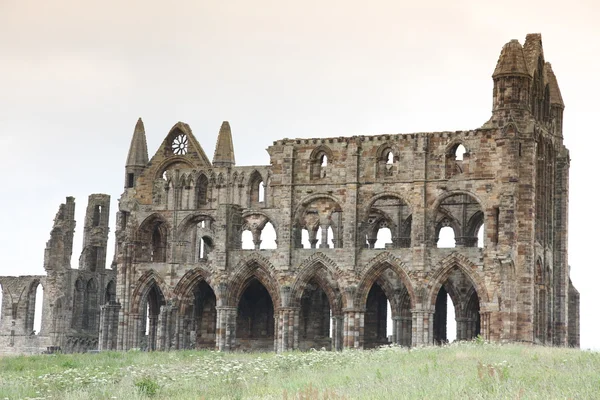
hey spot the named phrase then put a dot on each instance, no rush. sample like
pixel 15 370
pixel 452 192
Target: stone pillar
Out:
pixel 422 327
pixel 285 323
pixel 461 328
pixel 109 318
pixel 324 236
pixel 485 321
pixel 354 327
pixel 405 331
pixel 337 329
pixel 226 326
pixel 396 330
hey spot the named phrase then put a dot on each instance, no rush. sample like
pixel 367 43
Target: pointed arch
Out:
pixel 443 271
pixel 326 280
pixel 253 266
pixel 147 281
pixel 183 289
pixel 254 189
pixel 373 271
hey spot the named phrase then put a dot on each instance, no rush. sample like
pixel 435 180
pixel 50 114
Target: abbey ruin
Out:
pixel 293 255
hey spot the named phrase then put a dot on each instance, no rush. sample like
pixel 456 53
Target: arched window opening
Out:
pixel 261 192
pixel 255 323
pixel 256 190
pixel 200 323
pixel 315 318
pixel 390 158
pixel 385 162
pixel 480 233
pixel 38 309
pixel 459 152
pixel 78 305
pixel 388 224
pixel 202 191
pixel 376 318
pixel 247 240
pixel 159 244
pixel 90 307
pixel 203 224
pixel 446 238
pixel 268 237
pixel 384 237
pixel 319 160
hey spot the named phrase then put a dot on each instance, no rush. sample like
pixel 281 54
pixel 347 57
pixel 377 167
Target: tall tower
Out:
pixel 95 233
pixel 137 158
pixel 511 84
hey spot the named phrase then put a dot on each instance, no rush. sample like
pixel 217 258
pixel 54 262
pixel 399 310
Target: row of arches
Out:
pixel 387 161
pixel 319 223
pixel 178 190
pixel 312 312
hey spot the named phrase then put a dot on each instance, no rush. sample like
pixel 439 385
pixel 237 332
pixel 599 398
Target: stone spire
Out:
pixel 511 61
pixel 137 158
pixel 224 154
pixel 138 150
pixel 555 96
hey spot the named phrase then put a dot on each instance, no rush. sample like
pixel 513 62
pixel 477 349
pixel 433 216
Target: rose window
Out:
pixel 180 144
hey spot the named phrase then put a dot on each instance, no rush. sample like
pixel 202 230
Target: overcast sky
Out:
pixel 76 75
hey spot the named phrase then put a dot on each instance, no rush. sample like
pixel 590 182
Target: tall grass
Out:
pixel 463 371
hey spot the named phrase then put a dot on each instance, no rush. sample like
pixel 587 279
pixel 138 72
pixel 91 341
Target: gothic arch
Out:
pixel 326 280
pixel 445 268
pixel 186 284
pixel 169 162
pixel 190 221
pixel 143 286
pixel 372 273
pixel 384 195
pixel 268 218
pixel 253 266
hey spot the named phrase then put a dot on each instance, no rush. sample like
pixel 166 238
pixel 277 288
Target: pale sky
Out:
pixel 76 75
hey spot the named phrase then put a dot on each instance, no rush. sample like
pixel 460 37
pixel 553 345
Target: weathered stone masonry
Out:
pixel 181 279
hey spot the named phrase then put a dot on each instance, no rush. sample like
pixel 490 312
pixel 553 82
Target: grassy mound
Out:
pixel 463 371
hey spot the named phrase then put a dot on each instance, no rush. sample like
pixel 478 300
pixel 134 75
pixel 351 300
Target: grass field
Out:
pixel 471 370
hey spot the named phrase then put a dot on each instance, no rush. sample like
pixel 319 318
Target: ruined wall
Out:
pixel 196 266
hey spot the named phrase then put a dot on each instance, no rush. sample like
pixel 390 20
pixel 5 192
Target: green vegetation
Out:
pixel 472 370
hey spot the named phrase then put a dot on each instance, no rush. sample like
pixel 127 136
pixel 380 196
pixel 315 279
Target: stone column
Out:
pixel 461 328
pixel 354 327
pixel 396 330
pixel 226 326
pixel 109 318
pixel 337 329
pixel 422 327
pixel 286 328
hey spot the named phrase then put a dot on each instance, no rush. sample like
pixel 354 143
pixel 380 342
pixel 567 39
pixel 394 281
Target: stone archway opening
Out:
pixel 255 324
pixel 200 318
pixel 456 294
pixel 151 310
pixel 376 318
pixel 315 328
